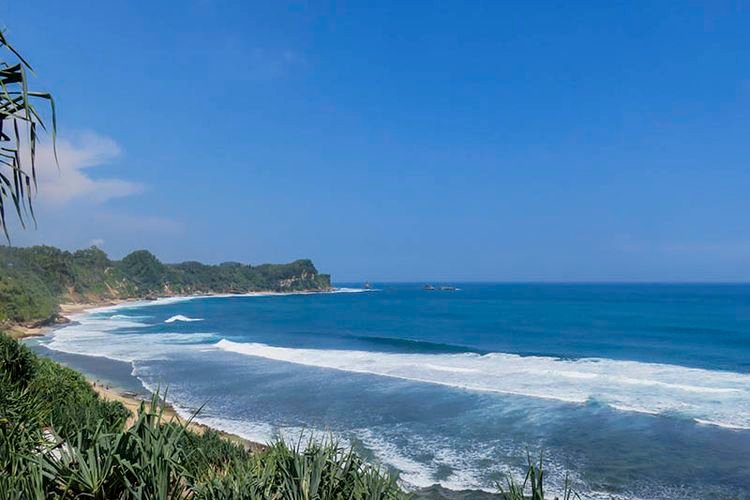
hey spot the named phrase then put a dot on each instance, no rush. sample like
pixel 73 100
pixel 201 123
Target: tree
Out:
pixel 19 123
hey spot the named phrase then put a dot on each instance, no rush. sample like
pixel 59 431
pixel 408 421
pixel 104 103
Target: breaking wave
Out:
pixel 709 397
pixel 180 317
pixel 122 338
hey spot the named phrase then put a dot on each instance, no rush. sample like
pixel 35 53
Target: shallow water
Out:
pixel 639 391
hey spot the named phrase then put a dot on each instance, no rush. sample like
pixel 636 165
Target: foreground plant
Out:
pixel 532 487
pixel 19 119
pixel 317 471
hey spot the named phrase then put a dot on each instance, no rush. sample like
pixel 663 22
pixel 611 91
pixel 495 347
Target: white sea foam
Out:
pixel 726 425
pixel 258 432
pixel 127 317
pixel 414 473
pixel 717 397
pixel 127 347
pixel 94 334
pixel 180 317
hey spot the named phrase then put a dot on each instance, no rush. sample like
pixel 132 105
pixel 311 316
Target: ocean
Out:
pixel 629 391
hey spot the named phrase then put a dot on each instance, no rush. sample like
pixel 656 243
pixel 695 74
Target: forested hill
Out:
pixel 35 280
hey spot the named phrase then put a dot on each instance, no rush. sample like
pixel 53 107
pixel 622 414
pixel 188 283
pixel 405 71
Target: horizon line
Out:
pixel 536 282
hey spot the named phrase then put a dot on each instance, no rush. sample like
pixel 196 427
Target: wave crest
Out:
pixel 180 317
pixel 707 396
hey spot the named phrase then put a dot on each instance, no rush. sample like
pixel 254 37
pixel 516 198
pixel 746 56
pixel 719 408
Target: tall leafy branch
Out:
pixel 20 124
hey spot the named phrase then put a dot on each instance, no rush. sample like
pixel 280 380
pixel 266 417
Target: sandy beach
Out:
pixel 133 404
pixel 19 331
pixel 74 308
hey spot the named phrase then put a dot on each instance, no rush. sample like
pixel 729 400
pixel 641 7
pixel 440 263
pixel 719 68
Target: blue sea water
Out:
pixel 634 391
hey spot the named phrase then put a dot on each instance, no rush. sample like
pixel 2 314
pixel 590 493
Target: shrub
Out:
pixel 534 480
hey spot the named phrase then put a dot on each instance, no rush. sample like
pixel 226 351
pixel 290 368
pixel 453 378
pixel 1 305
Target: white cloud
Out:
pixel 72 181
pixel 71 209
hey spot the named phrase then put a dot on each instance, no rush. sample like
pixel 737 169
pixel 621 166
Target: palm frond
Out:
pixel 18 131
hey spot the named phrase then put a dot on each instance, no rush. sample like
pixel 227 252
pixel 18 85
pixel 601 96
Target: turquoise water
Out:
pixel 637 391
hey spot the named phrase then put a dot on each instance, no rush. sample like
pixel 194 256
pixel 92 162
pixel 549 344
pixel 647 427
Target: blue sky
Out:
pixel 592 141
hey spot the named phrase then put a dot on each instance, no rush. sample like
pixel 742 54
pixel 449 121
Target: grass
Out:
pixel 532 487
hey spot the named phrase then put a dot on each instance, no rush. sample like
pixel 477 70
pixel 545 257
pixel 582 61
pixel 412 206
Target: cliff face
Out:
pixel 34 280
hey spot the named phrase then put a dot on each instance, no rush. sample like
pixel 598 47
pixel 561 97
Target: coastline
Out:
pixel 132 401
pixel 109 392
pixel 128 399
pixel 20 331
pixel 133 404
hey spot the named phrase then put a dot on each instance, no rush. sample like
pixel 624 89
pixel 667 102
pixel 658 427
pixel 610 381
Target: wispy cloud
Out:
pixel 71 206
pixel 73 181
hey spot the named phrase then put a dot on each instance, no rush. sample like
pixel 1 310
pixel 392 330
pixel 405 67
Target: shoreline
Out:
pixel 109 391
pixel 132 401
pixel 20 331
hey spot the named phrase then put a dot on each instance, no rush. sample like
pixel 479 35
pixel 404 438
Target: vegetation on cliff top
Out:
pixel 34 280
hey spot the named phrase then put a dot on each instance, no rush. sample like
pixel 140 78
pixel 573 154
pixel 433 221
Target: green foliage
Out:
pixel 24 293
pixel 19 119
pixel 73 403
pixel 144 270
pixel 34 280
pixel 30 282
pixel 209 453
pixel 17 363
pixel 317 471
pixel 532 487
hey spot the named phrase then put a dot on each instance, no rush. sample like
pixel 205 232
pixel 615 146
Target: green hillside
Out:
pixel 35 280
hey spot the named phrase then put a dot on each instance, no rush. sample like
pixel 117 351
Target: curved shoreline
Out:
pixel 69 311
pixel 111 391
pixel 133 404
pixel 66 309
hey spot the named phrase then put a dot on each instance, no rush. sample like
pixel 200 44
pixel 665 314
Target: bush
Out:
pixel 17 362
pixel 73 404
